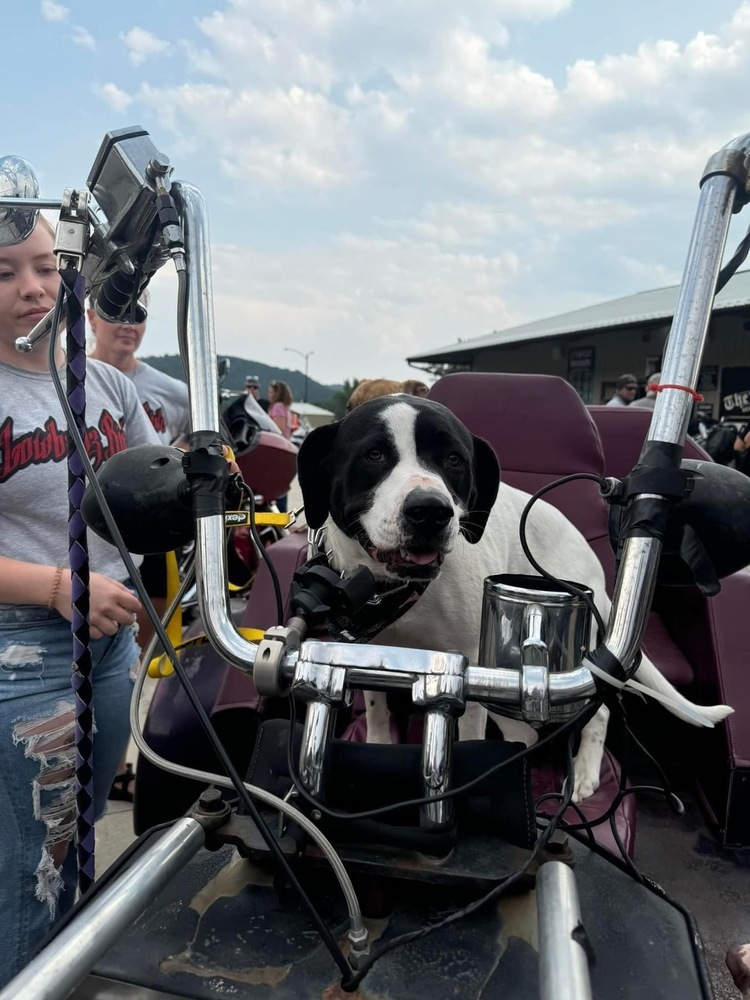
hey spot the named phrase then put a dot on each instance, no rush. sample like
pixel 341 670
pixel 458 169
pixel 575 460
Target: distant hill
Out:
pixel 241 367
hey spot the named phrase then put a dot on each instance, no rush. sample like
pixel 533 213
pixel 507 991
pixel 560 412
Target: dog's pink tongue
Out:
pixel 419 558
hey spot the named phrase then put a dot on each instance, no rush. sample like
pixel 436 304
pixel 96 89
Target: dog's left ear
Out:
pixel 314 472
pixel 486 471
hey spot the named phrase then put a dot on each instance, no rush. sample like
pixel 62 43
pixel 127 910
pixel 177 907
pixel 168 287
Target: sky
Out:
pixel 388 176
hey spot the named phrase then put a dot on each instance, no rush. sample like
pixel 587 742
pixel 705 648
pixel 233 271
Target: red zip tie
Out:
pixel 684 388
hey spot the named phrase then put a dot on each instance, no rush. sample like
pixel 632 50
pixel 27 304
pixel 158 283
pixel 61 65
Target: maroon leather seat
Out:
pixel 622 431
pixel 558 437
pixel 717 634
pixel 540 431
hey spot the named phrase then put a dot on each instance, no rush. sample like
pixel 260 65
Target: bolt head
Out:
pixel 211 800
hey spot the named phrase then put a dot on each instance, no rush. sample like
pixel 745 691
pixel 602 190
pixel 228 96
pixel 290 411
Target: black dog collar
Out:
pixel 386 606
pixel 382 610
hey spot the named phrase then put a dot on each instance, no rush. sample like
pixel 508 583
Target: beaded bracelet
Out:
pixel 55 587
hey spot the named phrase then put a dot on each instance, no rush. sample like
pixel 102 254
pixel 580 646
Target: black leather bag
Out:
pixel 364 776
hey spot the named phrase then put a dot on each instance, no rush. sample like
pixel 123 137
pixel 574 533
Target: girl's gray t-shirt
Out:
pixel 33 460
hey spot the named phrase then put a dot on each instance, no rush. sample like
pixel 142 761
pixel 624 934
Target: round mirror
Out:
pixel 17 180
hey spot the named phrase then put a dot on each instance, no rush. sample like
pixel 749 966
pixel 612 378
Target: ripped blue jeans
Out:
pixel 37 756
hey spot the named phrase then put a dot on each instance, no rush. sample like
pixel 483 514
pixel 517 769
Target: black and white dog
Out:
pixel 402 487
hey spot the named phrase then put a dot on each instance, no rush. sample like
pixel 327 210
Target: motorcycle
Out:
pixel 321 867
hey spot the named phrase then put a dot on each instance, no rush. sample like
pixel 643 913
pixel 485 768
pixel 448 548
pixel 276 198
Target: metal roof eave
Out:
pixel 464 353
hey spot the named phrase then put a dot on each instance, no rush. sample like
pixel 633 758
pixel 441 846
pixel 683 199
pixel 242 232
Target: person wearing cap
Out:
pixel 649 400
pixel 252 388
pixel 625 389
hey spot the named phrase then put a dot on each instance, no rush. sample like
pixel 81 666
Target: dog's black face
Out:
pixel 400 477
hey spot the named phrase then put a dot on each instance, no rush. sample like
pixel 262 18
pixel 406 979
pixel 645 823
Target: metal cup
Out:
pixel 534 626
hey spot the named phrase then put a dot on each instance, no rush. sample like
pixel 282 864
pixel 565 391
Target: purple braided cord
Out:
pixel 79 567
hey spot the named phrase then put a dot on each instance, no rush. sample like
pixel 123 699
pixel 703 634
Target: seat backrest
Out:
pixel 540 430
pixel 622 431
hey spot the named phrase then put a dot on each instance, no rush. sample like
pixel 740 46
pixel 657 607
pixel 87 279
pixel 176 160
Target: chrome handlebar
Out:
pixel 385 668
pixel 322 673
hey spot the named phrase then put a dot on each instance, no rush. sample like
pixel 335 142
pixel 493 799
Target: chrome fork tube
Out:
pixel 198 342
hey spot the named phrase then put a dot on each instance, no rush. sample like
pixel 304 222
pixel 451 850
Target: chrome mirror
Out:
pixel 17 180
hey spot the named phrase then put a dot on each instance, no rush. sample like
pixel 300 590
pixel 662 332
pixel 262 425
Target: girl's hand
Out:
pixel 111 604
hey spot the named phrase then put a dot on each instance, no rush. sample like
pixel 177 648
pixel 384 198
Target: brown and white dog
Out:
pixel 372 388
pixel 402 487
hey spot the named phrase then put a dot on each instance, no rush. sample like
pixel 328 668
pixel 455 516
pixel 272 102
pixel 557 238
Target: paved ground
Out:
pixel 714 884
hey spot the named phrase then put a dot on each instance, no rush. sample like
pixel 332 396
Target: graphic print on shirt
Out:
pixel 156 417
pixel 50 444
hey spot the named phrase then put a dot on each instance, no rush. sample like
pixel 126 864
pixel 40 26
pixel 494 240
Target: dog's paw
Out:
pixel 587 770
pixel 585 784
pixel 381 727
pixel 379 734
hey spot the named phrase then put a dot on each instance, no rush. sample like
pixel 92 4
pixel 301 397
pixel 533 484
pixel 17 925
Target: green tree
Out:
pixel 337 402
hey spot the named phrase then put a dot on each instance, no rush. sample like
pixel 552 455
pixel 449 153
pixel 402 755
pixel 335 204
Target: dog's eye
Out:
pixel 374 455
pixel 455 461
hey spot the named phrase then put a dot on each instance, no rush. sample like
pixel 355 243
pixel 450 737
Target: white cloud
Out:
pixel 459 224
pixel 535 10
pixel 281 137
pixel 663 81
pixel 116 98
pixel 52 11
pixel 463 75
pixel 646 273
pixel 83 37
pixel 142 44
pixel 467 188
pixel 320 94
pixel 361 304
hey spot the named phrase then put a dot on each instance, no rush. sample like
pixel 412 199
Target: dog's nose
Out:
pixel 427 509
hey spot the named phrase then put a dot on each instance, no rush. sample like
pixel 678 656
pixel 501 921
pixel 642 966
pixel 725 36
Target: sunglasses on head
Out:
pixel 138 315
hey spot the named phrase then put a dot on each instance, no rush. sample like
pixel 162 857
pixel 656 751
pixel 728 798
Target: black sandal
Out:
pixel 120 790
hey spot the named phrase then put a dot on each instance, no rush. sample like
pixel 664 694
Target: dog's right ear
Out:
pixel 315 473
